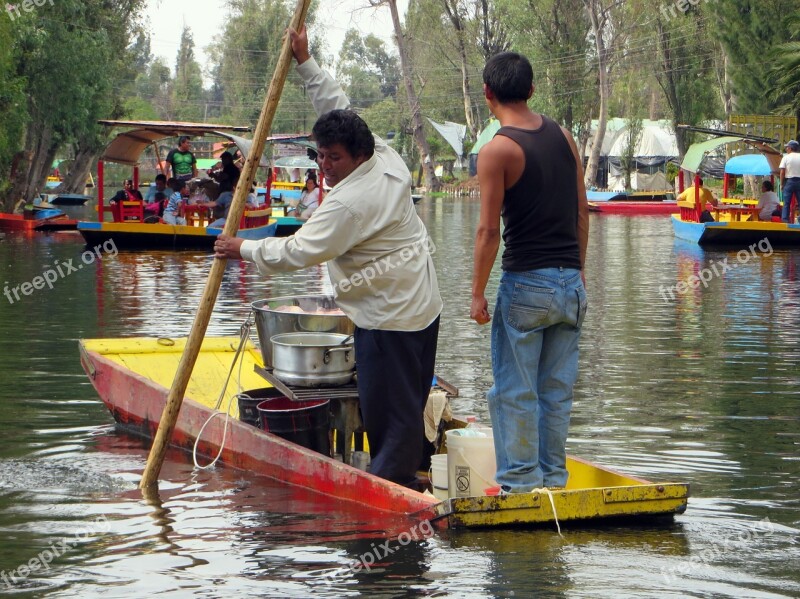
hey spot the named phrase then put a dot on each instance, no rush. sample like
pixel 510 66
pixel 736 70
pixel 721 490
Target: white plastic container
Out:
pixel 439 476
pixel 471 466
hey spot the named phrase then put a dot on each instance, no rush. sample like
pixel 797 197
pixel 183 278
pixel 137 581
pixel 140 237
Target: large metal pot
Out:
pixel 271 321
pixel 313 359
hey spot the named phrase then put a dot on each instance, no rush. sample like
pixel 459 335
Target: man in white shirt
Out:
pixel 379 261
pixel 768 202
pixel 790 178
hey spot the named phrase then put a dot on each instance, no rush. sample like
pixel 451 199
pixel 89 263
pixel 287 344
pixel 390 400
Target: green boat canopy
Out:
pixel 696 152
pixel 485 136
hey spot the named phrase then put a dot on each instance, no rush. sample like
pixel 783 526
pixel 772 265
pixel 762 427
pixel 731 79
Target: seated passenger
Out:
pixel 309 199
pixel 768 203
pixel 172 211
pixel 160 186
pixel 156 207
pixel 221 206
pixel 706 197
pixel 127 194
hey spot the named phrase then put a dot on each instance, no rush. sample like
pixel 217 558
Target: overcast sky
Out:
pixel 206 17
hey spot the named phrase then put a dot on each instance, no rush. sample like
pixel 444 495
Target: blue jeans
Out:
pixel 535 332
pixel 790 186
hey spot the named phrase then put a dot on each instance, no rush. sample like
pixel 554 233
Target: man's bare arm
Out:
pixel 583 202
pixel 491 163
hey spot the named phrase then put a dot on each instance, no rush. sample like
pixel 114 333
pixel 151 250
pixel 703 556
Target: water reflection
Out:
pixel 700 389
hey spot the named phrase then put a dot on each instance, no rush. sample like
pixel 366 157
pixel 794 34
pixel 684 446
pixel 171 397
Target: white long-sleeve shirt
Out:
pixel 376 246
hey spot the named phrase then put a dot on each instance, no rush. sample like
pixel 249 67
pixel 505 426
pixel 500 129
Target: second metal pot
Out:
pixel 313 359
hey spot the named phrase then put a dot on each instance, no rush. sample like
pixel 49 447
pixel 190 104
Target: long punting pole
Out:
pixel 169 416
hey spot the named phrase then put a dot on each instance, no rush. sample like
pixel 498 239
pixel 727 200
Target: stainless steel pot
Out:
pixel 271 321
pixel 313 359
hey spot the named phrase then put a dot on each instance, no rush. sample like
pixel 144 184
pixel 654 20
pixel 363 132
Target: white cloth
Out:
pixel 376 246
pixel 791 162
pixel 767 204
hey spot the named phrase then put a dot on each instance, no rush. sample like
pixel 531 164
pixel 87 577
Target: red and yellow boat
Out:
pixel 133 376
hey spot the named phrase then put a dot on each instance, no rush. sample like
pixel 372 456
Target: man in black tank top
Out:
pixel 530 174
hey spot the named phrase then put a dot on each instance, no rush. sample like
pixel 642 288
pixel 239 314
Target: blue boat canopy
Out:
pixel 748 164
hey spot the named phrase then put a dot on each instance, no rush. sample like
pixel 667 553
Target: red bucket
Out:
pixel 306 423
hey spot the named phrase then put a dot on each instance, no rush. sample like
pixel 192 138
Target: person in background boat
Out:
pixel 309 199
pixel 181 161
pixel 159 186
pixel 379 263
pixel 790 178
pixel 172 211
pixel 768 203
pixel 531 175
pixel 227 175
pixel 127 194
pixel 706 197
pixel 294 175
pixel 222 205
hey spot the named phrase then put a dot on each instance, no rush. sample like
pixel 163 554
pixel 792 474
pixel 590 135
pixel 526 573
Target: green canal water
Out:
pixel 701 387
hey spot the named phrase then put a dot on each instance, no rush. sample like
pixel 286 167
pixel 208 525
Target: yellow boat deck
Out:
pixel 157 360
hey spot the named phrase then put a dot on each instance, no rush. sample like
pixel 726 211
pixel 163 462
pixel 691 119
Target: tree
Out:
pixel 784 75
pixel 749 30
pixel 187 92
pixel 418 127
pixel 685 72
pixel 78 52
pixel 243 61
pixel 12 107
pixel 609 32
pixel 367 71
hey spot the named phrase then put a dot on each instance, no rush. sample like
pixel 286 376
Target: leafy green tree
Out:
pixel 187 92
pixel 243 61
pixel 12 107
pixel 749 30
pixel 784 75
pixel 78 52
pixel 362 67
pixel 686 72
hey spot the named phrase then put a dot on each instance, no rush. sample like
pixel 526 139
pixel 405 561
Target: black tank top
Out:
pixel 540 212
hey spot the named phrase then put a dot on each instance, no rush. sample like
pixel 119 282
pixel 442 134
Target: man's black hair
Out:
pixel 161 177
pixel 344 127
pixel 183 138
pixel 768 186
pixel 509 76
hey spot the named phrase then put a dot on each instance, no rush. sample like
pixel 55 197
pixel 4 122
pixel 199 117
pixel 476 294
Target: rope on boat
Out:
pixel 552 505
pixel 244 335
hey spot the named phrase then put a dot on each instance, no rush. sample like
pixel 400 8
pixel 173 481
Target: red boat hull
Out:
pixel 136 403
pixel 634 208
pixel 17 222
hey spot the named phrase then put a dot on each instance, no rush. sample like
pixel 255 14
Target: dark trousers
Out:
pixel 395 372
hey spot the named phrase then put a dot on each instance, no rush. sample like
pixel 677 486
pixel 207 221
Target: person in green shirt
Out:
pixel 181 160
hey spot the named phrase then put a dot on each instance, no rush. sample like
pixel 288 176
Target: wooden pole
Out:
pixel 159 166
pixel 170 414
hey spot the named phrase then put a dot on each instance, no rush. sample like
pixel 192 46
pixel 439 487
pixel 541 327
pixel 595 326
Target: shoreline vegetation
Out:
pixel 600 59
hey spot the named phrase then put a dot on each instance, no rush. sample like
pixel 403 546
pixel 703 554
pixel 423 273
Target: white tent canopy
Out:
pixel 653 141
